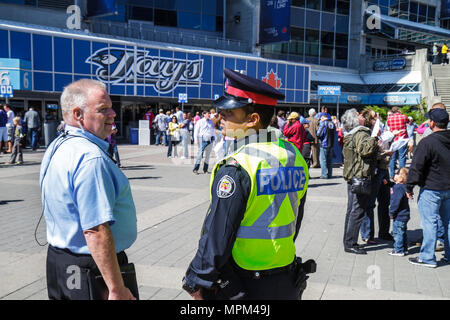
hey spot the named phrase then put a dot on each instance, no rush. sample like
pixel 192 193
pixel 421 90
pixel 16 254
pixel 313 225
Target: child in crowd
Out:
pixel 400 213
pixel 17 147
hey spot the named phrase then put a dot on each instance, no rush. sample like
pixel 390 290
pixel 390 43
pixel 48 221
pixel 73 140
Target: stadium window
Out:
pixel 297 33
pixel 140 13
pixel 298 3
pixel 329 5
pixel 219 23
pixel 313 4
pixel 343 7
pixel 342 39
pixel 166 18
pixel 431 15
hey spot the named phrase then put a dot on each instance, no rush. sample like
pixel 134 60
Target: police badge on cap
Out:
pixel 242 90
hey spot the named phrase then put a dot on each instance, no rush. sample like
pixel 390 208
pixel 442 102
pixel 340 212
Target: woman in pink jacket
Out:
pixel 294 131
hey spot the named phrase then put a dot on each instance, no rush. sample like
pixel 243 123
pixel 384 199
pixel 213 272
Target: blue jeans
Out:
pixel 172 145
pixel 433 204
pixel 326 163
pixel 400 239
pixel 435 59
pixel 33 132
pixel 164 138
pixel 205 147
pixel 116 154
pixel 440 231
pixel 185 139
pixel 399 155
pixel 380 192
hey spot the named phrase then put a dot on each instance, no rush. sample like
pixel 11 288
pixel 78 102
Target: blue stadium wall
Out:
pixel 45 61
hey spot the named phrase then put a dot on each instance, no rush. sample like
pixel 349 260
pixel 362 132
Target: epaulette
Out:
pixel 232 162
pixel 229 162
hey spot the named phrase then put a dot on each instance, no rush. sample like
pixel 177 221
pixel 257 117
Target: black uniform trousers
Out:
pixel 67 273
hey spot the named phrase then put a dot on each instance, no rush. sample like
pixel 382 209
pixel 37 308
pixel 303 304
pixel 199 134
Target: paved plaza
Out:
pixel 171 204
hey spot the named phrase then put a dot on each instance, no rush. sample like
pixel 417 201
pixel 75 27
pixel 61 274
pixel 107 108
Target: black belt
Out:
pixel 265 273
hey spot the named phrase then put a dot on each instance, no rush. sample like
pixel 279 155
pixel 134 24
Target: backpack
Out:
pixel 329 134
pixel 331 131
pixel 3 118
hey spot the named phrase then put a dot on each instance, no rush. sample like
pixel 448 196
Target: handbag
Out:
pixel 361 186
pixel 176 135
pixel 97 286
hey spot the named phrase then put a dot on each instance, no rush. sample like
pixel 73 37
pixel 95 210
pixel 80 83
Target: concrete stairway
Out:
pixel 442 80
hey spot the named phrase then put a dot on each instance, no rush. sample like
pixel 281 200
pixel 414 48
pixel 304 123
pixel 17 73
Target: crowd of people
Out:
pixel 440 54
pixel 18 131
pixel 314 136
pixel 374 153
pixel 371 151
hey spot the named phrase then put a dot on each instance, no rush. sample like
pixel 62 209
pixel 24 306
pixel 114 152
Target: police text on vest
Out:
pixel 280 180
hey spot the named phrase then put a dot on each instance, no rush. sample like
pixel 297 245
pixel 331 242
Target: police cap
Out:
pixel 242 90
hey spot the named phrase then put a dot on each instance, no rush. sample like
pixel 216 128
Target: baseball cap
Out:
pixel 437 115
pixel 293 115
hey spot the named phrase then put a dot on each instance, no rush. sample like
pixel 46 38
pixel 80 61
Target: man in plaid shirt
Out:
pixel 397 125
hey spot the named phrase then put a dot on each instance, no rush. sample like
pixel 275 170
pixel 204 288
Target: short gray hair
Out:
pixel 350 120
pixel 75 95
pixel 312 112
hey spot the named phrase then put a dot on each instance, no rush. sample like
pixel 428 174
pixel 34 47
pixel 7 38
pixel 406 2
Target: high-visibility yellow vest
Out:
pixel 279 179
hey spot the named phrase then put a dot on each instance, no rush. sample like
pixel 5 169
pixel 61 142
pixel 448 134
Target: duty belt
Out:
pixel 264 273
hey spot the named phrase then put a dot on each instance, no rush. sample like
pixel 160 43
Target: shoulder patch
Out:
pixel 226 187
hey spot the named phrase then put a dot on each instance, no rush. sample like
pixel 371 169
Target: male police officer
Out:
pixel 247 249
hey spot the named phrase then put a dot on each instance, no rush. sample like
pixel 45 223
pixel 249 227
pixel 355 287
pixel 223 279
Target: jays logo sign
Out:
pixel 129 66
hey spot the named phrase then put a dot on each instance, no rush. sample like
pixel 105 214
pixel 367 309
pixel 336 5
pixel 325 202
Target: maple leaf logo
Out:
pixel 272 79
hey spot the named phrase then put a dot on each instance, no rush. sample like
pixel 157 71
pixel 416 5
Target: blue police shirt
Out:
pixel 83 188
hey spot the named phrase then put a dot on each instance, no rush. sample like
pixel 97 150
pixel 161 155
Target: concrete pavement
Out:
pixel 171 204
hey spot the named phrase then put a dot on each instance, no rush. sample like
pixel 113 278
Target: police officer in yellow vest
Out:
pixel 258 192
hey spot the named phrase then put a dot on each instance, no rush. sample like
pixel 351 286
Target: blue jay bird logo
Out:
pixel 113 64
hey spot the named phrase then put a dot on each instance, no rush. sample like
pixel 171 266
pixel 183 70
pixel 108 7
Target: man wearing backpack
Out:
pixel 325 134
pixel 3 132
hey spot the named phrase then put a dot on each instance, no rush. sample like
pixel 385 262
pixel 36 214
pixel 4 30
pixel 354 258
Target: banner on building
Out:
pixel 274 22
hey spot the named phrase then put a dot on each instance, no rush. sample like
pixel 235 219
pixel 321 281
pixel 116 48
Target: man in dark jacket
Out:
pixel 325 134
pixel 430 170
pixel 33 126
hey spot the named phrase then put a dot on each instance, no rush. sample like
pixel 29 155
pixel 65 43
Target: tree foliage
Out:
pixel 415 112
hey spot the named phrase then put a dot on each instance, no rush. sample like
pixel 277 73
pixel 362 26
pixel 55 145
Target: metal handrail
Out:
pixel 142 32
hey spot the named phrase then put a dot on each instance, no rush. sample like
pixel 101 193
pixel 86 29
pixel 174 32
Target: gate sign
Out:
pixel 6 91
pixel 182 98
pixel 329 90
pixel 15 72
